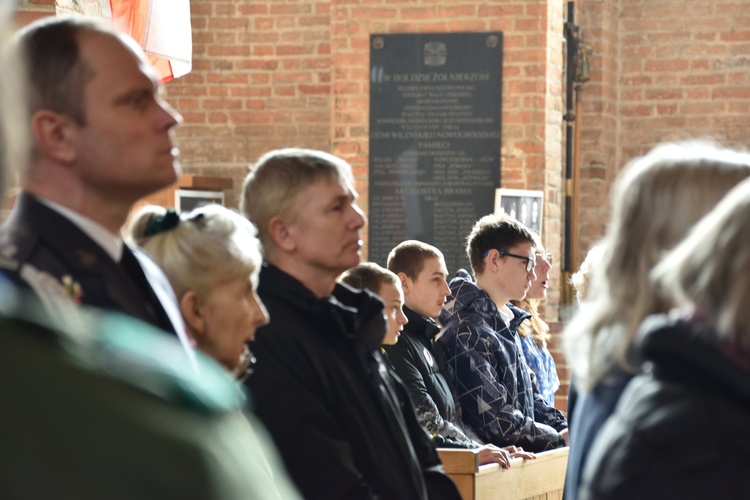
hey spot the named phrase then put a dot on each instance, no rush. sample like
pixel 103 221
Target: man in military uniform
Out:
pixel 104 406
pixel 101 140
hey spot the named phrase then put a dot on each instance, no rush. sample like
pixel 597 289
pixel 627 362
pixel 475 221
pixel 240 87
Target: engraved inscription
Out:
pixel 434 139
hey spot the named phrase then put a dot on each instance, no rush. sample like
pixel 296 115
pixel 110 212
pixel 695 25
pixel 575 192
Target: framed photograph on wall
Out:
pixel 523 205
pixel 188 199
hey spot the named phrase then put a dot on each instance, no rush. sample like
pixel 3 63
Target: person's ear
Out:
pixel 54 134
pixel 190 307
pixel 405 282
pixel 278 230
pixel 492 261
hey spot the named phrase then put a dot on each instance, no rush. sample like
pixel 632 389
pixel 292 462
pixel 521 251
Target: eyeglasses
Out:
pixel 530 263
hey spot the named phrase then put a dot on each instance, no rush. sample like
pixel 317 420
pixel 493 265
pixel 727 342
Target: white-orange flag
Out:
pixel 162 27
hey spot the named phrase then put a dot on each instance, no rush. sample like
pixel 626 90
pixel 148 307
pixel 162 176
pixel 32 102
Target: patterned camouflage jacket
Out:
pixel 487 367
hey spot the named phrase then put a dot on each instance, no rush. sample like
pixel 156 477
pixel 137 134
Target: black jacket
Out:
pixel 680 430
pixel 338 417
pixel 420 363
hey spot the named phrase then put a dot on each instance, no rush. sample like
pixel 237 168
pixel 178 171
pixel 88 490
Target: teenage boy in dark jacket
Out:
pixel 419 360
pixel 481 342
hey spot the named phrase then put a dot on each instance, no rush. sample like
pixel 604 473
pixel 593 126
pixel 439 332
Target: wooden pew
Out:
pixel 540 479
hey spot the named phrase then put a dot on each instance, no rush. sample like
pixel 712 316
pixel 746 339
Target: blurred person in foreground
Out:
pixel 657 199
pixel 341 421
pixel 681 429
pixel 580 282
pixel 101 405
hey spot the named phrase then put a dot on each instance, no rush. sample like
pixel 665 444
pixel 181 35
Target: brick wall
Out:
pixel 277 73
pixel 261 79
pixel 661 70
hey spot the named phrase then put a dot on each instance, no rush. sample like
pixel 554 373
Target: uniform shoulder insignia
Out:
pixel 125 349
pixel 59 297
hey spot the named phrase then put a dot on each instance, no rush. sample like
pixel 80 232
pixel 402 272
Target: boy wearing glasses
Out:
pixel 482 346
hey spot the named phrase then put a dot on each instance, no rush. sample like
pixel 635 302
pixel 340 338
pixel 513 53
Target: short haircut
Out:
pixel 369 276
pixel 409 256
pixel 499 232
pixel 208 246
pixel 56 74
pixel 272 187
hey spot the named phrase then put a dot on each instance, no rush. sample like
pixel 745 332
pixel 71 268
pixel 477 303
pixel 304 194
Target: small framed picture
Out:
pixel 523 205
pixel 188 199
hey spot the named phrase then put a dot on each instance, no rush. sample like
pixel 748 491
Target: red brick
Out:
pixel 228 23
pixel 664 65
pixel 287 8
pixel 663 94
pixel 227 78
pixel 453 11
pixel 228 50
pixel 703 80
pixel 418 13
pixel 314 89
pixel 251 9
pixel 201 9
pixel 293 50
pixel 224 10
pixel 742 36
pixel 731 93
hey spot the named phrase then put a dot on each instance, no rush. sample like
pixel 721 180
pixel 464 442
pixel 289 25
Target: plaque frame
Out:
pixel 435 139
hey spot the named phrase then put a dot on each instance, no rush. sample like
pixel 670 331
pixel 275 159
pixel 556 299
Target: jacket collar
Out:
pixel 691 354
pixel 424 327
pixel 466 295
pixel 347 312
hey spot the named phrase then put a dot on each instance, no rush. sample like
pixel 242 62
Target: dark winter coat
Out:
pixel 487 367
pixel 341 421
pixel 681 428
pixel 420 363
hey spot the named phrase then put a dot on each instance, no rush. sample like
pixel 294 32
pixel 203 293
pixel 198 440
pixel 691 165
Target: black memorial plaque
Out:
pixel 435 107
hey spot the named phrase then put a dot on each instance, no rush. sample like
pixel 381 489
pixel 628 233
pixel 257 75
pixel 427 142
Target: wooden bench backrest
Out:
pixel 539 479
